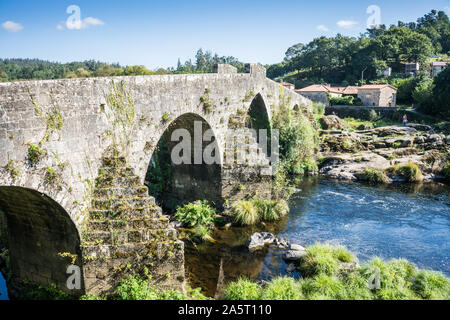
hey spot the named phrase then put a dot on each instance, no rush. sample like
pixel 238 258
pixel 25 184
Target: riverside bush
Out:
pixel 197 213
pixel 446 171
pixel 243 289
pixel 410 172
pixel 399 280
pixel 324 258
pixel 297 137
pixel 250 212
pixel 374 176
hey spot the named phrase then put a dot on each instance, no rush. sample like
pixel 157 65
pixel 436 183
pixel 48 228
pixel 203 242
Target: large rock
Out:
pixel 258 240
pixel 331 122
pixel 420 127
pixel 393 131
pixel 295 253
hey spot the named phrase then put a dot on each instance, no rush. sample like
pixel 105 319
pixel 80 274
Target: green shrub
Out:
pixel 136 288
pixel 12 169
pixel 343 101
pixel 446 171
pixel 202 231
pixel 324 258
pixel 282 289
pixel 92 297
pixel 322 287
pixel 197 213
pixel 373 115
pixel 307 165
pixel 374 176
pixel 51 175
pixel 281 209
pixel 298 139
pixel 165 117
pixel 410 172
pixel 35 153
pixel 399 279
pixel 244 212
pixel 271 210
pixel 40 292
pixel 431 285
pixel 318 108
pixel 394 278
pixel 250 212
pixel 243 289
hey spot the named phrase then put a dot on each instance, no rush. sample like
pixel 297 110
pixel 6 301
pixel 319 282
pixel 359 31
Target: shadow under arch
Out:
pixel 41 242
pixel 176 184
pixel 259 118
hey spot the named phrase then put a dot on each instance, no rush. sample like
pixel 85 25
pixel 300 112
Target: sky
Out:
pixel 157 33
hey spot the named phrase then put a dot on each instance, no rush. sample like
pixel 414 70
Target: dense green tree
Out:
pixel 294 51
pixel 137 71
pixel 441 94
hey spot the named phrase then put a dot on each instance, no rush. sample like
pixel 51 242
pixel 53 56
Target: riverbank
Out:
pixel 386 154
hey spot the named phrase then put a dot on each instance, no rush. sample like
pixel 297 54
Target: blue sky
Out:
pixel 157 33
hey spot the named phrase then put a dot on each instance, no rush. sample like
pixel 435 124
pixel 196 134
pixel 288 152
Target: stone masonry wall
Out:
pixel 53 137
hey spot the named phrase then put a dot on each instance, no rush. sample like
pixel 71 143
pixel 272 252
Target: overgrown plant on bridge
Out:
pixel 299 141
pixel 53 121
pixel 121 112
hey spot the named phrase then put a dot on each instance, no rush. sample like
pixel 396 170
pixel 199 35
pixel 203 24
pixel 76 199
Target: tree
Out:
pixel 294 51
pixel 3 76
pixel 200 60
pixel 137 71
pixel 436 26
pixel 441 93
pixel 400 44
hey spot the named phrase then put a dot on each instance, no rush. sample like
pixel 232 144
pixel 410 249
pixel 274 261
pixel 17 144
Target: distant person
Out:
pixel 405 120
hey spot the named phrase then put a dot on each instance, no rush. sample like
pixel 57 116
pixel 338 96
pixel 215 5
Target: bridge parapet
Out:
pixel 225 69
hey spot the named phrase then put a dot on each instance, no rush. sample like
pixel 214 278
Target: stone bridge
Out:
pixel 74 170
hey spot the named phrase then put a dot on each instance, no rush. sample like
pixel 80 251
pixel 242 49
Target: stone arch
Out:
pixel 172 183
pixel 259 117
pixel 40 239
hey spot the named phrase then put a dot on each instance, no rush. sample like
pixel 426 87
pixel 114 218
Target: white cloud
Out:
pixel 60 27
pixel 447 9
pixel 347 24
pixel 322 28
pixel 82 24
pixel 12 26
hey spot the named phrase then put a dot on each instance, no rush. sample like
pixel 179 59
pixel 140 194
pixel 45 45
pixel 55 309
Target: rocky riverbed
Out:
pixel 347 155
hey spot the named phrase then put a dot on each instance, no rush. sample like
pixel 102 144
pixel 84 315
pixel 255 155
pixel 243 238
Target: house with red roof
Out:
pixel 319 93
pixel 377 95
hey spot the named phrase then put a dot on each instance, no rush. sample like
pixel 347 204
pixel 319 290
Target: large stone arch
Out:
pixel 40 239
pixel 259 118
pixel 173 184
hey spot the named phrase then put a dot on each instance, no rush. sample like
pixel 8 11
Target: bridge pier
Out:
pixel 127 234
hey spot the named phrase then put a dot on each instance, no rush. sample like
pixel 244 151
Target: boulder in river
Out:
pixel 293 255
pixel 258 240
pixel 296 253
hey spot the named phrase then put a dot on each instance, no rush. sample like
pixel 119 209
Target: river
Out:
pixel 398 221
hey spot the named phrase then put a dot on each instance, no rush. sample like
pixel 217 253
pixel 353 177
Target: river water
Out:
pixel 400 221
